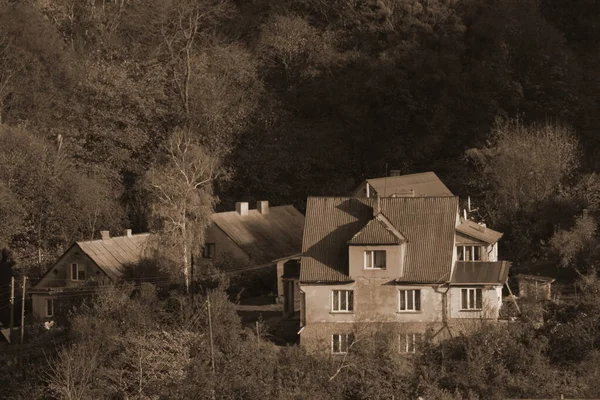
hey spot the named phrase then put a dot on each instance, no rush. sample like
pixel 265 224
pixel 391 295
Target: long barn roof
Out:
pixel 112 254
pixel 264 237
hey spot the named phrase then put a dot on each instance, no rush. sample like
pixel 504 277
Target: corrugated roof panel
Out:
pixel 265 237
pixel 427 223
pixel 423 184
pixel 112 254
pixel 480 272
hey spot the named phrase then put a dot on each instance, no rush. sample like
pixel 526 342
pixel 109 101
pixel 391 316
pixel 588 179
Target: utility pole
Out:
pixel 212 350
pixel 23 312
pixel 12 308
pixel 23 326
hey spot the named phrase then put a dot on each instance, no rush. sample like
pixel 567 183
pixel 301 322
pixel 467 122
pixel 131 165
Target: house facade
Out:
pixel 247 239
pixel 100 260
pixel 409 264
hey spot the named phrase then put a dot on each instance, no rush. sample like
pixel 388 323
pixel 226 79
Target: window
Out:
pixel 409 300
pixel 49 307
pixel 469 253
pixel 375 259
pixel 471 299
pixel 208 251
pixel 409 342
pixel 77 272
pixel 342 301
pixel 341 342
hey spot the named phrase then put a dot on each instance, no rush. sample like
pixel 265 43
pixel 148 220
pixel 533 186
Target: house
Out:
pixel 248 239
pixel 85 261
pixel 409 263
pixel 396 185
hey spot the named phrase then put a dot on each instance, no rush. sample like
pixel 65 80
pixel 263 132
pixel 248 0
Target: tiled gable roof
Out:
pixel 114 253
pixel 427 223
pixel 264 237
pixel 378 231
pixel 423 184
pixel 479 232
pixel 480 272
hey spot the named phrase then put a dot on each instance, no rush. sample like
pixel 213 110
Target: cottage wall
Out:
pixel 60 274
pixel 227 252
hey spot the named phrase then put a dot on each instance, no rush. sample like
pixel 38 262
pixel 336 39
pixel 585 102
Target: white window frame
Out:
pixel 409 342
pixel 49 307
pixel 474 296
pixel 481 249
pixel 79 269
pixel 370 255
pixel 414 295
pixel 348 295
pixel 344 342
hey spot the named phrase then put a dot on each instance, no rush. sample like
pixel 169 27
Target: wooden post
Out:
pixel 12 308
pixel 192 279
pixel 512 296
pixel 210 332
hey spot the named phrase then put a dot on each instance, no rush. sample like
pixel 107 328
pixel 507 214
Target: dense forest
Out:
pixel 150 115
pixel 285 99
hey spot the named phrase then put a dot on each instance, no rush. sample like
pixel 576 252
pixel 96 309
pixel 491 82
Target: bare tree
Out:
pixel 183 198
pixel 72 372
pixel 181 36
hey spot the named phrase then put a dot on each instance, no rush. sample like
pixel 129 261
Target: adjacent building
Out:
pixel 411 264
pixel 102 260
pixel 396 185
pixel 247 239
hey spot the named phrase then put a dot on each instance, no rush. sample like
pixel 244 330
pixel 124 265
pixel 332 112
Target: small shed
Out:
pixel 534 286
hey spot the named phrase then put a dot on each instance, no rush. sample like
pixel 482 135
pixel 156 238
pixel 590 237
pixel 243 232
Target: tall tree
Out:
pixel 183 200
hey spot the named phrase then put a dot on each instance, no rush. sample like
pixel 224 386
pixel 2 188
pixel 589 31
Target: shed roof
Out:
pixel 264 237
pixel 427 223
pixel 479 232
pixel 480 272
pixel 537 278
pixel 114 253
pixel 422 184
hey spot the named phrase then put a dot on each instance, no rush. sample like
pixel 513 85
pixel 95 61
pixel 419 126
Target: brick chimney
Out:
pixel 128 233
pixel 105 235
pixel 262 206
pixel 242 208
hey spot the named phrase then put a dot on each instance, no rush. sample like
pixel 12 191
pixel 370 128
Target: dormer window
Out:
pixel 469 253
pixel 374 259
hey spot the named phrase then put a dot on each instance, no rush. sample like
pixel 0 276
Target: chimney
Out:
pixel 105 235
pixel 262 206
pixel 128 232
pixel 242 208
pixel 395 172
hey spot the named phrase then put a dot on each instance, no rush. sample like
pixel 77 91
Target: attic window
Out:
pixel 77 272
pixel 375 259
